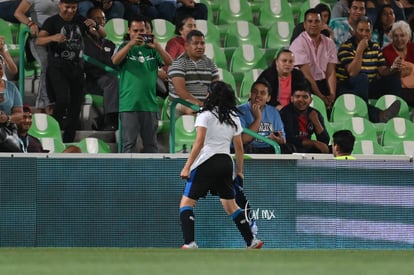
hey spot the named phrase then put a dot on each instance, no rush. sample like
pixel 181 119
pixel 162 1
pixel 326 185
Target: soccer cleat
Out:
pixel 191 245
pixel 253 227
pixel 256 244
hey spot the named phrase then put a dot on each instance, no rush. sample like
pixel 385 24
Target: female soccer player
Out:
pixel 210 166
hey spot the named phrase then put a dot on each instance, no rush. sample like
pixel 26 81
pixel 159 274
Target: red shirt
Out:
pixel 390 54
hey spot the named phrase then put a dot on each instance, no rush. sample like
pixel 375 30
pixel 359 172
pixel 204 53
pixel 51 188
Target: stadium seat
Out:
pixel 246 84
pixel 163 30
pixel 278 36
pixel 185 133
pixel 386 100
pixel 242 32
pixel 397 130
pixel 6 29
pixel 362 128
pixel 318 104
pixel 228 77
pixel 347 106
pixel 44 125
pixel 404 148
pixel 367 147
pixel 307 5
pixel 247 57
pixel 54 145
pixel 93 145
pixel 233 10
pixel 115 29
pixel 271 11
pixel 217 54
pixel 210 31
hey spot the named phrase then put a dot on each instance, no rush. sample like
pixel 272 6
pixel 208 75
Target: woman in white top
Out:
pixel 210 165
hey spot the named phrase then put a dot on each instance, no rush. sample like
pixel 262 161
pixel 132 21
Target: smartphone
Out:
pixel 276 133
pixel 148 38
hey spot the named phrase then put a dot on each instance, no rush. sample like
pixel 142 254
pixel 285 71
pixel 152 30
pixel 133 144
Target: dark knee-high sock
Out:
pixel 239 195
pixel 187 223
pixel 243 225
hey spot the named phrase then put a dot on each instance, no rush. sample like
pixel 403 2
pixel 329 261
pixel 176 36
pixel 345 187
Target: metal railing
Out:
pixel 197 108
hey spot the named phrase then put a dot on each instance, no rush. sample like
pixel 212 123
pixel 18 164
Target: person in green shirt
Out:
pixel 139 62
pixel 343 144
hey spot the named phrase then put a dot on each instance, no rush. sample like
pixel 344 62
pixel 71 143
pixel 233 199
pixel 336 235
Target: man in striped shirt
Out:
pixel 191 73
pixel 362 71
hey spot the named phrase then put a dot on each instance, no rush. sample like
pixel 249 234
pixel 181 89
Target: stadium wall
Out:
pixel 75 200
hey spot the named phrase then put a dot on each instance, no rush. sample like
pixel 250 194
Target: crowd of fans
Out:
pixel 361 47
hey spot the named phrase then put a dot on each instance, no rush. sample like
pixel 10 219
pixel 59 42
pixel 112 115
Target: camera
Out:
pixel 148 38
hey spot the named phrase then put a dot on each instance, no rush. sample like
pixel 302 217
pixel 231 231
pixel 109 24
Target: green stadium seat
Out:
pixel 185 133
pixel 242 32
pixel 44 125
pixel 386 100
pixel 227 77
pixel 397 130
pixel 163 30
pixel 54 145
pixel 271 11
pixel 362 128
pixel 210 31
pixel 11 41
pixel 367 147
pixel 93 145
pixel 318 104
pixel 115 29
pixel 164 122
pixel 404 148
pixel 247 57
pixel 347 106
pixel 278 36
pixel 233 10
pixel 217 54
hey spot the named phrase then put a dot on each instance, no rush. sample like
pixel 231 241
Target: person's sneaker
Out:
pixel 256 244
pixel 390 112
pixel 253 227
pixel 191 245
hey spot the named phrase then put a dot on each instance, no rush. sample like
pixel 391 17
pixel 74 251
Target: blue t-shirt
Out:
pixel 12 98
pixel 271 122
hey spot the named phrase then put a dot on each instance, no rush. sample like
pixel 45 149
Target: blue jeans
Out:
pixel 137 123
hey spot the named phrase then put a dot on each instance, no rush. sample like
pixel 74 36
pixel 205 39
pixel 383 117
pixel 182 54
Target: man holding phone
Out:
pixel 139 63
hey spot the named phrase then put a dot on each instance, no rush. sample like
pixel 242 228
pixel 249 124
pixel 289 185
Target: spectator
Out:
pixel 262 119
pixel 382 26
pixel 281 74
pixel 344 28
pixel 373 7
pixel 7 8
pixel 399 56
pixel 191 73
pixel 302 121
pixel 325 13
pixel 139 63
pixel 190 7
pixel 209 167
pixel 6 59
pixel 39 11
pixel 64 34
pixel 362 70
pixel 343 144
pixel 316 56
pixel 11 112
pixel 98 81
pixel 176 45
pixel 340 9
pixel 111 8
pixel 29 143
pixel 153 9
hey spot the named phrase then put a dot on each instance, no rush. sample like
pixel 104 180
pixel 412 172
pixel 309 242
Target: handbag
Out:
pixel 9 139
pixel 408 81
